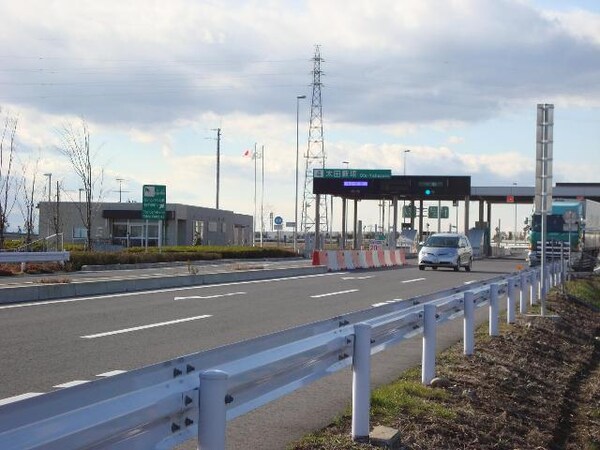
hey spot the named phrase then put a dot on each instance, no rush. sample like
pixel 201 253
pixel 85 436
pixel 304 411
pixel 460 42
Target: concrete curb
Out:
pixel 44 292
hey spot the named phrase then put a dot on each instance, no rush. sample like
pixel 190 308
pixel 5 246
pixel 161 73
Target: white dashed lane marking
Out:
pixel 329 294
pixel 144 327
pixel 413 280
pixel 230 294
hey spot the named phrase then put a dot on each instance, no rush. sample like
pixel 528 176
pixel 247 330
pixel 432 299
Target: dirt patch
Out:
pixel 537 386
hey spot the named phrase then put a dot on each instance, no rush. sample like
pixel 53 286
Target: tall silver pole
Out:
pixel 254 156
pixel 515 201
pixel 298 97
pixel 218 164
pixel 262 195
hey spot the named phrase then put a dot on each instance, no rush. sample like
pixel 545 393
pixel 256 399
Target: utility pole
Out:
pixel 218 162
pixel 120 180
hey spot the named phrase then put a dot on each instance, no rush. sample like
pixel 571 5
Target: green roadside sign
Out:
pixel 361 174
pixel 154 202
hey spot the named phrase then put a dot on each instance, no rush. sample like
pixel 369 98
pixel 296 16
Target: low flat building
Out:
pixel 121 224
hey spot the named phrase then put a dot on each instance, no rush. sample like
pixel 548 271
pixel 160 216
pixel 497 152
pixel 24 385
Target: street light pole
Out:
pixel 515 200
pixel 298 98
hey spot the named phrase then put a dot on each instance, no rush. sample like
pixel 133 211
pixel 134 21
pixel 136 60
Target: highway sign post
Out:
pixel 154 207
pixel 154 202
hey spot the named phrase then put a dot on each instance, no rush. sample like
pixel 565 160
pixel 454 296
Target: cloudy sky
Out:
pixel 454 81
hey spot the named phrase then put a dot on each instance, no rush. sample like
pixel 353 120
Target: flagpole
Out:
pixel 254 218
pixel 262 195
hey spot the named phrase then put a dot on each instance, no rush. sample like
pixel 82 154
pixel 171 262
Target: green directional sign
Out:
pixel 362 174
pixel 432 212
pixel 445 212
pixel 154 202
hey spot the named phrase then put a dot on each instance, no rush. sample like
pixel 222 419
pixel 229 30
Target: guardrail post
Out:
pixel 543 291
pixel 212 418
pixel 469 324
pixel 429 337
pixel 534 287
pixel 361 382
pixel 493 311
pixel 510 300
pixel 524 292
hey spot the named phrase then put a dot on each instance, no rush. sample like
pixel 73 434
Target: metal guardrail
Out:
pixel 25 257
pixel 158 406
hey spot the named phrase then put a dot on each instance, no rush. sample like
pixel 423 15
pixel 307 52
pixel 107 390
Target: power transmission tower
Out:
pixel 315 155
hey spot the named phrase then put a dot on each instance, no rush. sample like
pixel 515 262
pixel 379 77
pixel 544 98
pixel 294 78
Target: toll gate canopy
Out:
pixel 380 184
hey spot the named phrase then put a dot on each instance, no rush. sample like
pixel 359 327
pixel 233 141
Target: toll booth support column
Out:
pixel 467 201
pixel 412 218
pixel 355 224
pixel 344 231
pixel 395 226
pixel 318 223
pixel 481 205
pixel 420 220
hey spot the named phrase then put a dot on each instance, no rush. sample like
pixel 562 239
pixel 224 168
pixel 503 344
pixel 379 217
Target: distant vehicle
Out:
pixel 572 227
pixel 446 250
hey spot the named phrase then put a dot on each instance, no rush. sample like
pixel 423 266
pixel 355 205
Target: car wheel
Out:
pixel 468 266
pixel 421 267
pixel 457 265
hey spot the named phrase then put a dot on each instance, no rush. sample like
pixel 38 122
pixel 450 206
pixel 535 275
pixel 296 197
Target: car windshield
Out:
pixel 442 241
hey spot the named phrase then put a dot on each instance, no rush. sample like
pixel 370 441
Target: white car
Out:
pixel 446 250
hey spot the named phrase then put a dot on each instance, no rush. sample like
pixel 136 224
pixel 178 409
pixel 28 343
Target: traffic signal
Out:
pixel 428 192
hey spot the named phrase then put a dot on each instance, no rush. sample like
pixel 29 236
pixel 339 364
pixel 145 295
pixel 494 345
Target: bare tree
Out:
pixel 29 195
pixel 75 146
pixel 8 195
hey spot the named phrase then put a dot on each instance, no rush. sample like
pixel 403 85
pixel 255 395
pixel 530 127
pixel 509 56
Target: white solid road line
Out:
pixel 387 302
pixel 71 383
pixel 230 294
pixel 470 282
pixel 16 398
pixel 365 277
pixel 144 327
pixel 413 280
pixel 334 293
pixel 112 373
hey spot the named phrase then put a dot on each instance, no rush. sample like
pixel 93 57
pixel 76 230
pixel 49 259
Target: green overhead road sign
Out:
pixel 352 173
pixel 432 212
pixel 154 202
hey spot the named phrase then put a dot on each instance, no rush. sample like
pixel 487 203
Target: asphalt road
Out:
pixel 49 345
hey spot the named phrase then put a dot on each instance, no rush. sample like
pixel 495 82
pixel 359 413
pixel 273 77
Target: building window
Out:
pixel 79 233
pixel 212 227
